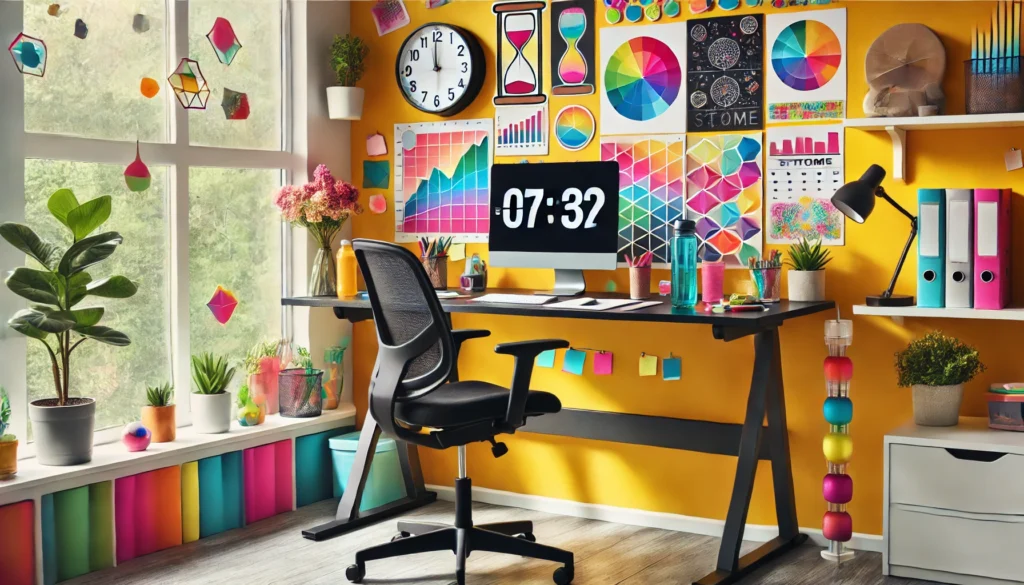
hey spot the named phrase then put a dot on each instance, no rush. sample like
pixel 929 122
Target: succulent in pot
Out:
pixel 8 442
pixel 210 399
pixel 159 413
pixel 807 277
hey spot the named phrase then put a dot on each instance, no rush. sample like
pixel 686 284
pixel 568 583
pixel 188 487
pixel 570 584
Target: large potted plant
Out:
pixel 8 443
pixel 159 414
pixel 210 400
pixel 63 425
pixel 345 100
pixel 807 277
pixel 936 367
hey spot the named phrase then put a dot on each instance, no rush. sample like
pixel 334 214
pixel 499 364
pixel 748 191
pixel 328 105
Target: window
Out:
pixel 207 218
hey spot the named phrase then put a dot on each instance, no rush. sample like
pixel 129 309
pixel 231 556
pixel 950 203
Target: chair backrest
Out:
pixel 416 353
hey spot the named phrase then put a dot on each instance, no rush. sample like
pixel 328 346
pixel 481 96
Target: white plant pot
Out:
pixel 345 103
pixel 807 285
pixel 211 413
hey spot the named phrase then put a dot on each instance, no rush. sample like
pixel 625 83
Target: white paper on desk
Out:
pixel 605 304
pixel 572 303
pixel 640 306
pixel 447 294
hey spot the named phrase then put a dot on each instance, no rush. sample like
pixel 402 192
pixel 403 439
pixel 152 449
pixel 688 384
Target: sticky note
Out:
pixel 376 145
pixel 573 361
pixel 603 363
pixel 1013 159
pixel 546 359
pixel 671 368
pixel 457 252
pixel 648 365
pixel 376 174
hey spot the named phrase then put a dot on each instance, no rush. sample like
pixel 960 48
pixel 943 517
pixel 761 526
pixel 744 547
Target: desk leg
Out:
pixel 349 517
pixel 766 395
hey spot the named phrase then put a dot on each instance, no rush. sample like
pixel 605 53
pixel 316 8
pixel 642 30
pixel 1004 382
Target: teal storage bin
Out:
pixel 384 483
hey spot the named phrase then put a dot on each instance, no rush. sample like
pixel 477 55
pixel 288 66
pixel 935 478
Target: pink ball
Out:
pixel 136 437
pixel 837 488
pixel 837 526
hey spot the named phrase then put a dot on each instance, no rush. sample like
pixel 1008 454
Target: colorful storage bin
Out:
pixel 1006 411
pixel 384 484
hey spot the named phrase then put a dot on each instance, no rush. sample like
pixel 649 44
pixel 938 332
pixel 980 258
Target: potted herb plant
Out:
pixel 63 425
pixel 8 443
pixel 936 368
pixel 210 400
pixel 159 414
pixel 345 100
pixel 252 409
pixel 807 278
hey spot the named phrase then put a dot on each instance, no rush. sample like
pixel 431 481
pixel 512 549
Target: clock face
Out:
pixel 440 69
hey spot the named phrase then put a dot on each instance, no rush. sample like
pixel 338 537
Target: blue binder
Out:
pixel 931 248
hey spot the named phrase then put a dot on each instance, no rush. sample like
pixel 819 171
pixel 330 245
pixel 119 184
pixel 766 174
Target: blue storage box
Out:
pixel 384 484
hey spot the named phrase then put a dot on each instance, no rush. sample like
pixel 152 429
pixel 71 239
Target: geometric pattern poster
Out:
pixel 805 167
pixel 806 71
pixel 652 173
pixel 724 194
pixel 724 83
pixel 642 73
pixel 572 47
pixel 442 180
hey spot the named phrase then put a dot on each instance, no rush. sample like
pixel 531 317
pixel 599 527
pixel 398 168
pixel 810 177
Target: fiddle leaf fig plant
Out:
pixel 61 283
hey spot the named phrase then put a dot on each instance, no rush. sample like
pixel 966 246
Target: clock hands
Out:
pixel 436 66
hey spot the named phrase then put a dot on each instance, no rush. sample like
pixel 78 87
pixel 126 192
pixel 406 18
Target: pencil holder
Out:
pixel 767 281
pixel 437 272
pixel 640 282
pixel 712 282
pixel 994 86
pixel 301 392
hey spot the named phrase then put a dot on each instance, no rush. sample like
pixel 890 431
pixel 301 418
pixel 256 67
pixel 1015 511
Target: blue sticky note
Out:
pixel 671 368
pixel 546 359
pixel 573 361
pixel 376 174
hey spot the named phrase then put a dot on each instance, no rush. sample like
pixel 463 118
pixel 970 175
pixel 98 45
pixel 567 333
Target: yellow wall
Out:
pixel 715 375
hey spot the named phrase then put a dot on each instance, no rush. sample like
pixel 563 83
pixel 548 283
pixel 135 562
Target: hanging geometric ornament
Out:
pixel 29 54
pixel 149 87
pixel 189 85
pixel 235 104
pixel 137 176
pixel 81 29
pixel 222 305
pixel 53 10
pixel 140 23
pixel 225 43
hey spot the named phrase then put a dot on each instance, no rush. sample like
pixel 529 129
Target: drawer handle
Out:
pixel 971 455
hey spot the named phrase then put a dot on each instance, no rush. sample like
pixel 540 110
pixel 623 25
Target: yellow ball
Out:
pixel 838 447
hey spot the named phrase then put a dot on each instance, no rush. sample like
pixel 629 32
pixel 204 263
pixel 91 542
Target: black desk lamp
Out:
pixel 856 200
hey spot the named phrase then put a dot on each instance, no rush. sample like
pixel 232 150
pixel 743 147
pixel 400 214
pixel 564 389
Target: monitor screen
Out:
pixel 555 215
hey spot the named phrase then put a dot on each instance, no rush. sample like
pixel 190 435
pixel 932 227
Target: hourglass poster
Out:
pixel 724 81
pixel 572 47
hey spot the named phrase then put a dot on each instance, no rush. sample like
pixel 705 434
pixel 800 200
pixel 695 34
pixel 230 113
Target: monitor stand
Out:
pixel 568 283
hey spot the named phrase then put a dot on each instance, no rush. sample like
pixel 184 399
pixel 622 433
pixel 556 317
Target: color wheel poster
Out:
pixel 442 180
pixel 806 65
pixel 642 79
pixel 805 167
pixel 724 81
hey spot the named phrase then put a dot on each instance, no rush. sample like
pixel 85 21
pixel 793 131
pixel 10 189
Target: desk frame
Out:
pixel 749 442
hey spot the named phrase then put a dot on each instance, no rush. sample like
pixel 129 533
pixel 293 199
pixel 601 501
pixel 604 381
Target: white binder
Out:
pixel 959 248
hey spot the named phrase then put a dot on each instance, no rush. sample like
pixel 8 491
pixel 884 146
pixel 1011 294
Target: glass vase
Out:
pixel 263 386
pixel 322 276
pixel 334 377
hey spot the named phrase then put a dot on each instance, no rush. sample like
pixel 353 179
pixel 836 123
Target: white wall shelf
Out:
pixel 898 313
pixel 898 127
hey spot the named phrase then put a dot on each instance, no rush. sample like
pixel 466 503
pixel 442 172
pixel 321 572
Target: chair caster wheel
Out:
pixel 563 575
pixel 400 536
pixel 355 573
pixel 527 536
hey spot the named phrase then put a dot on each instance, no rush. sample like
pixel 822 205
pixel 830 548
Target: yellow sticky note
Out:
pixel 648 365
pixel 457 252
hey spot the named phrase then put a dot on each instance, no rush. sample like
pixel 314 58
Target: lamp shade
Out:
pixel 857 199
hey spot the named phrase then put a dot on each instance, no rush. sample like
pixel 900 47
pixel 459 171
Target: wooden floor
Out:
pixel 274 552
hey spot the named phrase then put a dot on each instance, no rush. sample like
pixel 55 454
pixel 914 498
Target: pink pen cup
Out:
pixel 712 281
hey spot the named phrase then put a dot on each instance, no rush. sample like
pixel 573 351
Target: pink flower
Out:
pixel 323 198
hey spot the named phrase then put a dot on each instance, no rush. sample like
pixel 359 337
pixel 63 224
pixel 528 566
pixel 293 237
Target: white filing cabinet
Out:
pixel 954 504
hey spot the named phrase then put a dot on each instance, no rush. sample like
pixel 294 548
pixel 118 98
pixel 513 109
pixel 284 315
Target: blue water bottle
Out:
pixel 684 264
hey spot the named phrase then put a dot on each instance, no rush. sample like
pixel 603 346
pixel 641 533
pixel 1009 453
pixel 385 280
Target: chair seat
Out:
pixel 464 403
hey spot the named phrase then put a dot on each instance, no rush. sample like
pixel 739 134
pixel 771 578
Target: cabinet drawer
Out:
pixel 944 541
pixel 982 482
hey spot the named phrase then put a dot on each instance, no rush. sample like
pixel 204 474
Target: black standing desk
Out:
pixel 743 441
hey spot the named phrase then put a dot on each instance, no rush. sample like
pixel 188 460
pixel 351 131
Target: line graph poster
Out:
pixel 442 180
pixel 723 76
pixel 806 74
pixel 805 167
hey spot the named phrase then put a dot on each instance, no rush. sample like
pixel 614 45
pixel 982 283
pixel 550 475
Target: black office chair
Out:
pixel 416 396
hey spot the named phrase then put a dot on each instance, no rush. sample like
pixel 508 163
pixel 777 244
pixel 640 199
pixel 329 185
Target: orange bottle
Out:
pixel 348 270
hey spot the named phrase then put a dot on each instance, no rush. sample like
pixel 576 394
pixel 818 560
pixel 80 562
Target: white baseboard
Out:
pixel 665 521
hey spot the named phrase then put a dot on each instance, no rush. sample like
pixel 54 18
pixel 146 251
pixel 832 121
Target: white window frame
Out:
pixel 180 157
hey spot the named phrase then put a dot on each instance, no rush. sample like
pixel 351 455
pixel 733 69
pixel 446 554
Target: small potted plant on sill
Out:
pixel 252 410
pixel 210 400
pixel 63 425
pixel 345 100
pixel 936 367
pixel 8 443
pixel 159 414
pixel 262 365
pixel 807 277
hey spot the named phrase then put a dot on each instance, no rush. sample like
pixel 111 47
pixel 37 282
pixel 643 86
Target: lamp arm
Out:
pixel 906 249
pixel 880 193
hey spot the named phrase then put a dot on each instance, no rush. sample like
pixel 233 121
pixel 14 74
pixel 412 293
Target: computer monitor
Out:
pixel 555 215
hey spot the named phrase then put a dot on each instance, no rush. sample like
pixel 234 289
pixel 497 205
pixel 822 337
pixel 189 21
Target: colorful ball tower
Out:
pixel 837 486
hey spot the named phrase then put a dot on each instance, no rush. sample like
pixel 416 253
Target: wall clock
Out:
pixel 440 69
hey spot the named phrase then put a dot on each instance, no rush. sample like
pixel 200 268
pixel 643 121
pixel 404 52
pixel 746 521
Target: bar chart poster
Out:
pixel 805 167
pixel 521 130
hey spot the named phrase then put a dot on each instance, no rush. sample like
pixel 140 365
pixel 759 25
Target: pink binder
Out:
pixel 991 248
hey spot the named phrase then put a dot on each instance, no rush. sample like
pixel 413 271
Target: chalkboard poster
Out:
pixel 724 81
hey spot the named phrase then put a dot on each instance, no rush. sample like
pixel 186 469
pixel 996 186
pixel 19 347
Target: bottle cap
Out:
pixel 685 227
pixel 344 243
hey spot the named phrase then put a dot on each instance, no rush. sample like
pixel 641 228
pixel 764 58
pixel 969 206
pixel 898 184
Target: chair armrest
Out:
pixel 460 335
pixel 525 353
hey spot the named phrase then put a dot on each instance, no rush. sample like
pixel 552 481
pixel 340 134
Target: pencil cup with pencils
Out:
pixel 640 276
pixel 434 254
pixel 767 277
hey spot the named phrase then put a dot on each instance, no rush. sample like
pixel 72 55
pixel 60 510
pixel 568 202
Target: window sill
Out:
pixel 112 460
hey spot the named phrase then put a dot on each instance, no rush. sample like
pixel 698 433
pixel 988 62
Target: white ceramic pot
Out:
pixel 807 285
pixel 345 103
pixel 937 406
pixel 211 413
